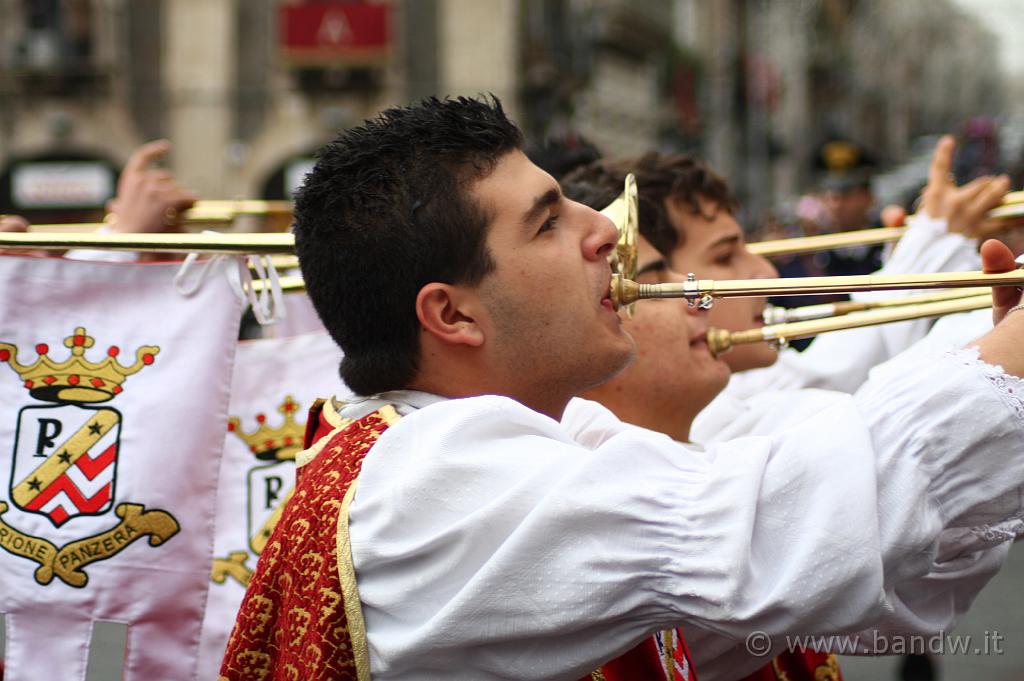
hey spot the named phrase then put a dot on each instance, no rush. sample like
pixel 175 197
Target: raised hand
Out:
pixel 148 199
pixel 964 207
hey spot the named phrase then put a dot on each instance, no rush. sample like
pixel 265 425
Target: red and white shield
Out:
pixel 65 461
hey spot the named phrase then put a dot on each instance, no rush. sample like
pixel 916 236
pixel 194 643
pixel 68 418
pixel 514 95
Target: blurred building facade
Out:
pixel 778 78
pixel 246 89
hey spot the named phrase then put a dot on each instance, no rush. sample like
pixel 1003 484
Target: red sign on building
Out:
pixel 335 32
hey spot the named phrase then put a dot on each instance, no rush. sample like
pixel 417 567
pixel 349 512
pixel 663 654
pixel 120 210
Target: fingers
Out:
pixel 965 208
pixel 160 175
pixel 16 223
pixel 992 194
pixel 942 161
pixel 974 201
pixel 997 257
pixel 144 156
pixel 974 187
pixel 184 199
pixel 893 216
pixel 13 223
pixel 989 228
pixel 934 198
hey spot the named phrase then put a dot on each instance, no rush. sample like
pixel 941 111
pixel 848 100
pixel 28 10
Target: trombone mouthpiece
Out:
pixel 623 291
pixel 719 341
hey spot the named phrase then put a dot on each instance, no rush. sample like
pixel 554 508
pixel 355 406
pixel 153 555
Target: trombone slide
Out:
pixel 783 315
pixel 233 243
pixel 721 340
pixel 704 291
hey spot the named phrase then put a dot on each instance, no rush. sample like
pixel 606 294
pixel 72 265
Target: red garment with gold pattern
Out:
pixel 661 657
pixel 295 621
pixel 799 666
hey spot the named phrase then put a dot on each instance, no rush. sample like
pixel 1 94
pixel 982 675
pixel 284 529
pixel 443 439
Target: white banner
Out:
pixel 299 317
pixel 113 403
pixel 274 384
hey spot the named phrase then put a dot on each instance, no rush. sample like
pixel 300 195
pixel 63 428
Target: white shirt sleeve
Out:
pixel 841 360
pixel 489 543
pixel 953 331
pixel 970 550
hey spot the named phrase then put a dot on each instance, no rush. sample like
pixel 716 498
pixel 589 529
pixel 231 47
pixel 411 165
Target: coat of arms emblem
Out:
pixel 269 485
pixel 65 460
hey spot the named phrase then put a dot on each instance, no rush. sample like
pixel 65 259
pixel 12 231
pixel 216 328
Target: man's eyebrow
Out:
pixel 541 204
pixel 725 240
pixel 654 266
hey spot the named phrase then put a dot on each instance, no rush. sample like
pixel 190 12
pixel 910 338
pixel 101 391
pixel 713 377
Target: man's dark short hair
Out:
pixel 386 210
pixel 659 178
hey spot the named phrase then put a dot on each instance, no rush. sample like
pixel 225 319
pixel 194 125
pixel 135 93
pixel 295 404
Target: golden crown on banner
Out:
pixel 77 379
pixel 269 443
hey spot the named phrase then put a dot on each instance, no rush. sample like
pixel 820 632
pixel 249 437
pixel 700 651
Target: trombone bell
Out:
pixel 623 212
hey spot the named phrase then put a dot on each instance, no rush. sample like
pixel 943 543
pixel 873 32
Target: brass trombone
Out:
pixel 289 284
pixel 1012 207
pixel 207 211
pixel 239 244
pixel 204 212
pixel 623 213
pixel 784 315
pixel 823 242
pixel 702 292
pixel 721 340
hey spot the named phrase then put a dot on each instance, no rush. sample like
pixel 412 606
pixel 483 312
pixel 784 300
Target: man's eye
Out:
pixel 656 273
pixel 548 224
pixel 724 259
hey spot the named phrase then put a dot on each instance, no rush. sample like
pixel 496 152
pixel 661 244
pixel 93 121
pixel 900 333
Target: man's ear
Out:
pixel 446 312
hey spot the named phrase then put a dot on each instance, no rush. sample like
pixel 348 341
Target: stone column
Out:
pixel 199 71
pixel 478 49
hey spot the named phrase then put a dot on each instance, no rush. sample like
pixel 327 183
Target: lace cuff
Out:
pixel 1011 391
pixel 1007 530
pixel 1009 387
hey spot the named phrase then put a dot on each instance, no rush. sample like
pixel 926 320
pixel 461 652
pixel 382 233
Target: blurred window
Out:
pixel 51 45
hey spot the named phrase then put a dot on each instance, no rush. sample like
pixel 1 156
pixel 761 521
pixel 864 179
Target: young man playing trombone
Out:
pixel 675 377
pixel 691 218
pixel 487 539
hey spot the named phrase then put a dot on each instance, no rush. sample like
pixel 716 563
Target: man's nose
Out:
pixel 601 237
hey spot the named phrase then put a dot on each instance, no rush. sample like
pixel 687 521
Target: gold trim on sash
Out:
pixel 389 415
pixel 347 571
pixel 350 592
pixel 668 646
